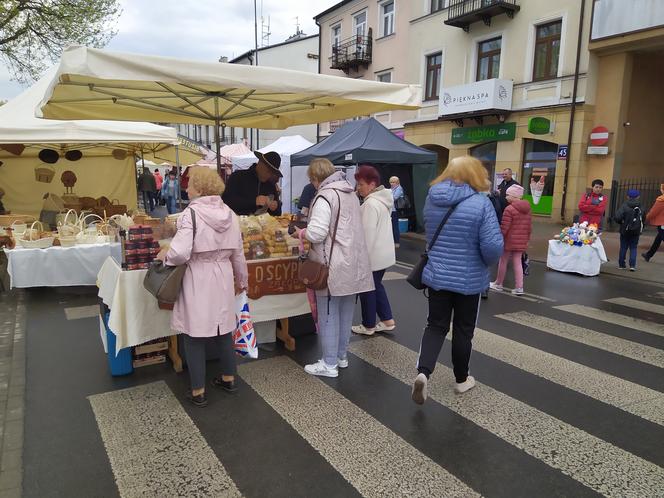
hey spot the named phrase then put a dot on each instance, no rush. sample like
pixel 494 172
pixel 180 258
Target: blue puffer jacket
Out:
pixel 469 243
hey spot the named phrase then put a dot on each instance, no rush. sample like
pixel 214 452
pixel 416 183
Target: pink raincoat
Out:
pixel 207 298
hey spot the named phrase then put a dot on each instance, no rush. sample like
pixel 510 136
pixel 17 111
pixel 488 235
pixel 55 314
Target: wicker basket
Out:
pixel 35 241
pixel 67 241
pixel 69 225
pixel 7 220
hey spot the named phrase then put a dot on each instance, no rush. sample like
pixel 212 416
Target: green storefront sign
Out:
pixel 539 126
pixel 481 134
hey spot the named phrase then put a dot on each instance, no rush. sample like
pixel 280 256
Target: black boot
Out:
pixel 227 385
pixel 199 400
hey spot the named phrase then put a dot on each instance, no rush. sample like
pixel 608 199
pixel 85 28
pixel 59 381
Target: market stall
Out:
pixel 577 249
pixel 293 181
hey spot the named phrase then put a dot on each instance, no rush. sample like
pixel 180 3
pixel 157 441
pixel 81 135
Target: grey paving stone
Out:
pixel 11 460
pixel 11 493
pixel 11 479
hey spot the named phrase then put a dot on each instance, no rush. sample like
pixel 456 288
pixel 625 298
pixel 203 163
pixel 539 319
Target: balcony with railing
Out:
pixel 463 13
pixel 352 53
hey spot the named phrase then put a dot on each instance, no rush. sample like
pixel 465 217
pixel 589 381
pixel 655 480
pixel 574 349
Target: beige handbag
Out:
pixel 163 281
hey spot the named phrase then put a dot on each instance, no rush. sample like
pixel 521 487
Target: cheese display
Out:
pixel 266 236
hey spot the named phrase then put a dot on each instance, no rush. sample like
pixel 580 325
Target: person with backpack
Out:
pixel 630 218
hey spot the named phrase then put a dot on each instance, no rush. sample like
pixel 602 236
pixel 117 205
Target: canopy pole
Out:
pixel 216 135
pixel 177 175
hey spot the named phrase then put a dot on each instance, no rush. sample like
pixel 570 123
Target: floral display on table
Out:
pixel 578 234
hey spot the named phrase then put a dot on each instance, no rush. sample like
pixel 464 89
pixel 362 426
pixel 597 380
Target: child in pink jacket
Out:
pixel 516 227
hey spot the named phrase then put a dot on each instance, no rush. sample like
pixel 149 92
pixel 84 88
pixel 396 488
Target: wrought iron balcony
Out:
pixel 463 13
pixel 352 53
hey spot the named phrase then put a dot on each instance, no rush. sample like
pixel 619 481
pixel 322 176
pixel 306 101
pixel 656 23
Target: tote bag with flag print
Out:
pixel 244 337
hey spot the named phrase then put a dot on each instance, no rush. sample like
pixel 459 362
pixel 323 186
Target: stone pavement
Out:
pixel 544 230
pixel 12 392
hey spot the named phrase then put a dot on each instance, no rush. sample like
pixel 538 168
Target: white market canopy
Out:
pixel 293 181
pixel 100 84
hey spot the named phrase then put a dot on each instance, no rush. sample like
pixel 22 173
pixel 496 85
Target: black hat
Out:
pixel 49 156
pixel 272 159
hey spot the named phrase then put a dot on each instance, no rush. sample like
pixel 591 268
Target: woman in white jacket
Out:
pixel 377 223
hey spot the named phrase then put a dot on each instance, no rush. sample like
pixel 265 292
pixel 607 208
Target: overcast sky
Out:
pixel 204 29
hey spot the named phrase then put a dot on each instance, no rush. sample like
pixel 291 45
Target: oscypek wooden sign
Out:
pixel 273 276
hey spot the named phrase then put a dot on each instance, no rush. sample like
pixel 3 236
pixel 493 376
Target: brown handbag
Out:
pixel 312 273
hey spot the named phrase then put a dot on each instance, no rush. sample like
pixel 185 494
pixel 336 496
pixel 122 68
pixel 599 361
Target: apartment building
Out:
pixel 497 76
pixel 300 52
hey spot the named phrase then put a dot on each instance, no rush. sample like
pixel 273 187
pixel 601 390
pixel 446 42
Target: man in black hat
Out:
pixel 254 191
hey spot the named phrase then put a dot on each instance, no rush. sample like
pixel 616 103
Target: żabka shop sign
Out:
pixel 480 134
pixel 478 96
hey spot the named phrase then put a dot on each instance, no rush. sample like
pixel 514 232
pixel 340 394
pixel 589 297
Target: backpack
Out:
pixel 402 203
pixel 633 222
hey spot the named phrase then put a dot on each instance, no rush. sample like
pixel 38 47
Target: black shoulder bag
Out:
pixel 415 276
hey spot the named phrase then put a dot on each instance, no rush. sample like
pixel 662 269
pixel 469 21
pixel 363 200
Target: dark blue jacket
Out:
pixel 469 243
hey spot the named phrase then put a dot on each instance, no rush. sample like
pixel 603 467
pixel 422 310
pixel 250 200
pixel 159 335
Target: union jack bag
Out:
pixel 244 337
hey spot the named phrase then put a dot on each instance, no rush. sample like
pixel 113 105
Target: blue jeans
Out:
pixel 628 242
pixel 148 201
pixel 375 302
pixel 335 317
pixel 171 205
pixel 395 227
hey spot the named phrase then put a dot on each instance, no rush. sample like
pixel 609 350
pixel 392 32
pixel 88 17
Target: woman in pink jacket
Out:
pixel 516 226
pixel 209 242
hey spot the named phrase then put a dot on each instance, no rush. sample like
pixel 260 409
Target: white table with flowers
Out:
pixel 585 259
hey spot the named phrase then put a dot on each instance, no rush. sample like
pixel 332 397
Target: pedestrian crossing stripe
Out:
pixel 623 347
pixel 593 462
pixel 357 445
pixel 639 305
pixel 625 395
pixel 614 318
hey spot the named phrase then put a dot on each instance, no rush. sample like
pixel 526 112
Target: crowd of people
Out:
pixel 352 232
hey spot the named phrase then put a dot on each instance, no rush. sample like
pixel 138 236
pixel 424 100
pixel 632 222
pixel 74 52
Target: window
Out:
pixel 486 153
pixel 539 174
pixel 547 50
pixel 336 35
pixel 434 63
pixel 387 18
pixel 488 59
pixel 437 5
pixel 360 23
pixel 384 77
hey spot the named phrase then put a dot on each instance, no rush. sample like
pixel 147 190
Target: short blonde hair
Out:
pixel 319 169
pixel 206 181
pixel 394 179
pixel 465 169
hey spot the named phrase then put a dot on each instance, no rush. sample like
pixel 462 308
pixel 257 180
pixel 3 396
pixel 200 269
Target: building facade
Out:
pixel 498 80
pixel 300 53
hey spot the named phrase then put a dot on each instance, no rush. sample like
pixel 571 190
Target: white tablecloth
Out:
pixel 585 259
pixel 135 317
pixel 58 266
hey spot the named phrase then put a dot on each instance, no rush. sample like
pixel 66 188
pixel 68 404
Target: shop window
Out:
pixel 539 172
pixel 486 153
pixel 387 18
pixel 547 50
pixel 434 65
pixel 488 59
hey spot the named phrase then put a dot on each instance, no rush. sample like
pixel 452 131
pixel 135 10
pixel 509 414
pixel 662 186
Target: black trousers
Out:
pixel 462 311
pixel 655 243
pixel 194 349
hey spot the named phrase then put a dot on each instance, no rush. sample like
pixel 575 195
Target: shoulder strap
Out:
pixel 193 222
pixel 336 225
pixel 442 224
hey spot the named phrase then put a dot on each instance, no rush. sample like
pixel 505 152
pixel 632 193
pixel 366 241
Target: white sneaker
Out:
pixel 342 363
pixel 381 327
pixel 466 385
pixel 419 394
pixel 321 369
pixel 518 291
pixel 361 329
pixel 495 286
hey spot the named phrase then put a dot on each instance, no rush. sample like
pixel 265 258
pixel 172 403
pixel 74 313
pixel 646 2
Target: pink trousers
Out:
pixel 515 256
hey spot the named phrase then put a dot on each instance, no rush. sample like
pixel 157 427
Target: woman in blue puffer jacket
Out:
pixel 457 271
